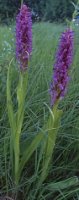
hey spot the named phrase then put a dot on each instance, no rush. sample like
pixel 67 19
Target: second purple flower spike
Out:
pixel 23 36
pixel 64 57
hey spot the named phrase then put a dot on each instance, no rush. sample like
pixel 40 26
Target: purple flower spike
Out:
pixel 23 36
pixel 64 57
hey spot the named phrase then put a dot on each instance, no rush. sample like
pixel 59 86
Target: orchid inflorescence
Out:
pixel 23 36
pixel 63 61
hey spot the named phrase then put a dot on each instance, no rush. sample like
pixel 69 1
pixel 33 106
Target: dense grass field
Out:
pixel 62 182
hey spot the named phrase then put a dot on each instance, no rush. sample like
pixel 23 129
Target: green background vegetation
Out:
pixel 52 10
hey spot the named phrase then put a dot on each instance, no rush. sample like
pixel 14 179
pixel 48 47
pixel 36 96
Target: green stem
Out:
pixel 21 2
pixel 17 155
pixel 78 2
pixel 21 94
pixel 75 12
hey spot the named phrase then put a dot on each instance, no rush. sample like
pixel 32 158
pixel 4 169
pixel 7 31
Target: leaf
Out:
pixel 53 125
pixel 25 143
pixel 29 151
pixel 63 184
pixel 10 104
pixel 10 114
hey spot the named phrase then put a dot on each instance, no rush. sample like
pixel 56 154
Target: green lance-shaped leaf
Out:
pixel 53 125
pixel 29 151
pixel 21 94
pixel 61 185
pixel 10 112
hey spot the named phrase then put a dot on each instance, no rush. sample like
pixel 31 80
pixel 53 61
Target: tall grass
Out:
pixel 62 182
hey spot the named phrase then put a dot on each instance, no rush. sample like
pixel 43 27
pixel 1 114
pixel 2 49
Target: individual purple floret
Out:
pixel 64 57
pixel 23 36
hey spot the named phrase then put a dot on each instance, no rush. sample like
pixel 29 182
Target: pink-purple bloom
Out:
pixel 23 36
pixel 63 60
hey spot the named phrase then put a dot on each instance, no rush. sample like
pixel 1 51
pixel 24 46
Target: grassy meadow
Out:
pixel 62 182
